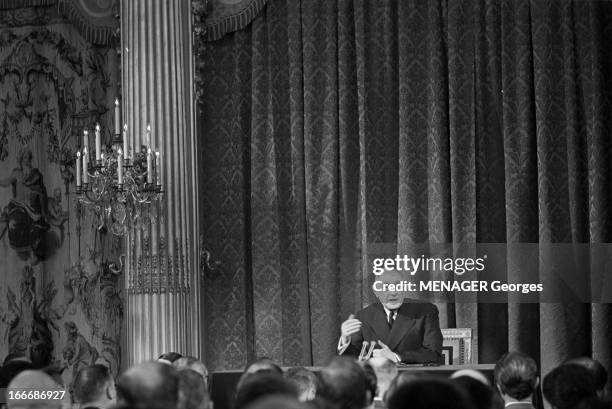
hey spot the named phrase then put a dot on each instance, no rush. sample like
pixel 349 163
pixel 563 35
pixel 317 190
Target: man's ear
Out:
pixel 537 382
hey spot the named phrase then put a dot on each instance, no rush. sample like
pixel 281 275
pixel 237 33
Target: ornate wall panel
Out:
pixel 60 298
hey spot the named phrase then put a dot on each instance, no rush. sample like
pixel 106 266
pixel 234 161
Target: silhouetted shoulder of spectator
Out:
pixel 567 385
pixel 262 384
pixel 304 380
pixel 481 395
pixel 429 393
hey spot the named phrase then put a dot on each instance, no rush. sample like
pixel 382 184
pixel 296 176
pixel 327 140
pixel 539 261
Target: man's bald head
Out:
pixel 33 380
pixel 151 385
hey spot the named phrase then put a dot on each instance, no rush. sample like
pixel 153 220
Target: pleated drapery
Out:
pixel 331 126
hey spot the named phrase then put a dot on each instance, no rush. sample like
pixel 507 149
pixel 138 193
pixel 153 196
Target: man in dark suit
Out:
pixel 403 330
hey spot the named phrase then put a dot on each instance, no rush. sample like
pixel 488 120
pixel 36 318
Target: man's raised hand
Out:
pixel 349 327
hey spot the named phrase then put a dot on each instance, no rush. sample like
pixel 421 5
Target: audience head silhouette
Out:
pixel 480 393
pixel 597 370
pixel 401 379
pixel 305 381
pixel 193 392
pixel 344 383
pixel 427 394
pixel 567 386
pixel 516 376
pixel 94 387
pixel 33 380
pixel 263 365
pixel 262 384
pixel 151 385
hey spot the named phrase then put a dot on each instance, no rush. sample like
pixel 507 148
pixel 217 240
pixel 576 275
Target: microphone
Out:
pixel 363 350
pixel 370 351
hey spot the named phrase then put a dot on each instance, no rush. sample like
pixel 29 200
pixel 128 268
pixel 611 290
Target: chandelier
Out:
pixel 122 190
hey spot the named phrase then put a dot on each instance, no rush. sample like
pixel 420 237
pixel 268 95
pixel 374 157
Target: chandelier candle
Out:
pixel 98 144
pixel 120 168
pixel 158 168
pixel 85 160
pixel 117 118
pixel 78 169
pixel 125 142
pixel 149 167
pixel 85 140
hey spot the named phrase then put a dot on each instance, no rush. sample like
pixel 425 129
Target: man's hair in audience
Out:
pixel 482 396
pixel 401 379
pixel 597 370
pixel 151 385
pixel 567 385
pixel 170 356
pixel 261 365
pixel 304 380
pixel 429 393
pixel 344 383
pixel 372 381
pixel 90 383
pixel 261 384
pixel 192 390
pixel 516 374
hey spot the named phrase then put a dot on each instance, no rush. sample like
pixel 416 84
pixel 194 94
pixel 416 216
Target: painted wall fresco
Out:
pixel 60 297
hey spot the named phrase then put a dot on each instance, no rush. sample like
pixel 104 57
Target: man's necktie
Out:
pixel 391 319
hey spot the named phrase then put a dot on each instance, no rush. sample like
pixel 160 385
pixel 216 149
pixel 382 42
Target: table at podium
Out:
pixel 223 383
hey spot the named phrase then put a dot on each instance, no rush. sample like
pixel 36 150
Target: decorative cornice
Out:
pixel 100 34
pixel 97 26
pixel 21 4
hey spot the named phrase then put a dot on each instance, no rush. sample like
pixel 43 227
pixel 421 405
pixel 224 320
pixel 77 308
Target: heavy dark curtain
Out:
pixel 332 126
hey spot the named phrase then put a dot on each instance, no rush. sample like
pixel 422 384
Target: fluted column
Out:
pixel 162 277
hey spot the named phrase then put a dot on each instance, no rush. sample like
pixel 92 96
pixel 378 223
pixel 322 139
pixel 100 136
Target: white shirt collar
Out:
pixel 387 311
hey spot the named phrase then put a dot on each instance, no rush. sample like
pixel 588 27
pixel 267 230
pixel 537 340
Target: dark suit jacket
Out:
pixel 415 336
